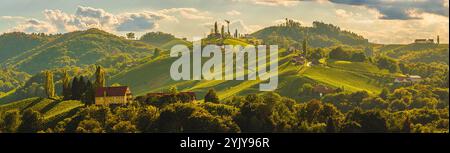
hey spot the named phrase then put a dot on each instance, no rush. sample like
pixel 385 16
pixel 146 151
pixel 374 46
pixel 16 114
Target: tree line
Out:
pixel 78 88
pixel 391 111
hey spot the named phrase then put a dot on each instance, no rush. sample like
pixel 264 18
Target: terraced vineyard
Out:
pixel 49 108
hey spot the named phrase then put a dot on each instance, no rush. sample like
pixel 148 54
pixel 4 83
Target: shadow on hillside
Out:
pixel 49 106
pixel 32 103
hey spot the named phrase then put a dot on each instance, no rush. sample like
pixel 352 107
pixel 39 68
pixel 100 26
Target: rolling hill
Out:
pixel 15 43
pixel 49 108
pixel 414 52
pixel 151 74
pixel 154 76
pixel 162 40
pixel 77 49
pixel 319 35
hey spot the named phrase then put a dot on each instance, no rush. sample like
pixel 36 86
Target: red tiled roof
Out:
pixel 111 91
pixel 323 89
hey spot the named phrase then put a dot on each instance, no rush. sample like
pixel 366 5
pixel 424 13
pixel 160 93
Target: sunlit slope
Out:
pixel 49 108
pixel 154 76
pixel 356 78
pixel 77 48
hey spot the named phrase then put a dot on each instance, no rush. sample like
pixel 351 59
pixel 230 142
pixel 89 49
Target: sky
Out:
pixel 380 21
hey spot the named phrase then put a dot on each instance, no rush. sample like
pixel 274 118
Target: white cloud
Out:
pixel 285 3
pixel 242 27
pixel 88 17
pixel 396 31
pixel 276 2
pixel 84 18
pixel 62 21
pixel 401 9
pixel 142 21
pixel 35 26
pixel 233 13
pixel 187 13
pixel 12 18
pixel 104 18
pixel 343 13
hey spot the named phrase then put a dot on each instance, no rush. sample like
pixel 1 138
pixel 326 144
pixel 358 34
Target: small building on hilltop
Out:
pixel 323 90
pixel 298 60
pixel 120 95
pixel 424 41
pixel 408 79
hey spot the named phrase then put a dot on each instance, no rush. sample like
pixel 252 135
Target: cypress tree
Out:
pixel 305 47
pixel 99 77
pixel 216 29
pixel 211 96
pixel 66 86
pixel 49 84
pixel 75 89
pixel 90 93
pixel 222 31
pixel 82 87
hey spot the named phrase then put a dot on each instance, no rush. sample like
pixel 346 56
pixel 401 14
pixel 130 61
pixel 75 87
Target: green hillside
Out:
pixel 11 79
pixel 154 76
pixel 350 81
pixel 15 43
pixel 162 40
pixel 77 49
pixel 319 35
pixel 151 74
pixel 426 53
pixel 49 108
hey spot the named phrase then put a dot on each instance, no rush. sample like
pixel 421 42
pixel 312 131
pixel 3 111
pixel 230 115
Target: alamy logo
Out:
pixel 226 63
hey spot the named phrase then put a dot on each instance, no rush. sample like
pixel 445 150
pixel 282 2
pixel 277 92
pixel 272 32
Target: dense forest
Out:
pixel 397 111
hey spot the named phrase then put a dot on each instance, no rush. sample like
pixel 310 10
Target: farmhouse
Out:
pixel 323 90
pixel 113 95
pixel 424 41
pixel 408 79
pixel 298 60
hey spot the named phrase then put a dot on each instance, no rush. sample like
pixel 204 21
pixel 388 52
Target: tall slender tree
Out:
pixel 99 77
pixel 82 87
pixel 216 29
pixel 49 84
pixel 228 27
pixel 75 89
pixel 222 31
pixel 67 89
pixel 305 47
pixel 211 96
pixel 89 96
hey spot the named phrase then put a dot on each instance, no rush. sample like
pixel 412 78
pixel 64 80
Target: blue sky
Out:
pixel 381 21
